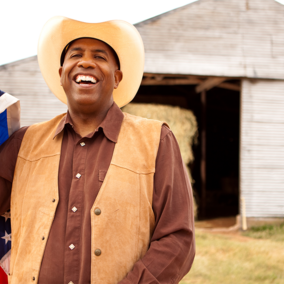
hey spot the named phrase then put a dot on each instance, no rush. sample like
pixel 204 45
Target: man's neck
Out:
pixel 86 123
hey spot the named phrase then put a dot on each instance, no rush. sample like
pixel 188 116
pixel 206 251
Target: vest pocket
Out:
pixel 102 175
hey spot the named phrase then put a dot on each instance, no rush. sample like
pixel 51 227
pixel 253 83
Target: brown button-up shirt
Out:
pixel 83 165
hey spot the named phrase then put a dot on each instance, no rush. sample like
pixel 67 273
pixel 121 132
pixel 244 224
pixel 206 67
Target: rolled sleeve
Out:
pixel 172 248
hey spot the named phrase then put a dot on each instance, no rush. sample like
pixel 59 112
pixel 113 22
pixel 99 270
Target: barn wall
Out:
pixel 23 80
pixel 262 147
pixel 231 38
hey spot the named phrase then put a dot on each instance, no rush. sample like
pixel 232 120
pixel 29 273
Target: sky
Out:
pixel 22 20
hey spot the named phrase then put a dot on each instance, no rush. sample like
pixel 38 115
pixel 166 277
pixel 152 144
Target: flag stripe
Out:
pixel 3 277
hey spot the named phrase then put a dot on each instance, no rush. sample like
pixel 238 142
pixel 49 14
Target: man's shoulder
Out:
pixel 165 132
pixel 149 124
pixel 141 121
pixel 19 134
pixel 37 134
pixel 49 123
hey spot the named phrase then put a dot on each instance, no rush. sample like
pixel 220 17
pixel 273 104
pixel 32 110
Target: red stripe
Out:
pixel 3 277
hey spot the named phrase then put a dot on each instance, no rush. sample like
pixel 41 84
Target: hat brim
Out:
pixel 120 35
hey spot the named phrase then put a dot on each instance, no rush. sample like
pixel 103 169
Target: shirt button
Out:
pixel 98 211
pixel 98 252
pixel 82 144
pixel 74 209
pixel 71 246
pixel 78 175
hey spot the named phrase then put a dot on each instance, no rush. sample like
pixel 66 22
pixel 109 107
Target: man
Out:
pixel 97 196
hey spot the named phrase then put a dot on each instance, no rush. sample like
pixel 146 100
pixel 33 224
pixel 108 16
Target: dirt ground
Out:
pixel 216 223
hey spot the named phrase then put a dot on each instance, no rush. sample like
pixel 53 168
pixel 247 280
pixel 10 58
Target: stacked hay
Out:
pixel 181 121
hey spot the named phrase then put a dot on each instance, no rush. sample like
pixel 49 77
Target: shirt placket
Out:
pixel 74 216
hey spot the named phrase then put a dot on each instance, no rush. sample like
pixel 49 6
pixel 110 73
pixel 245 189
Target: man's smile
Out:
pixel 83 79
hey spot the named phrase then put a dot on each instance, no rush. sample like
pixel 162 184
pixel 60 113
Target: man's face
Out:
pixel 88 75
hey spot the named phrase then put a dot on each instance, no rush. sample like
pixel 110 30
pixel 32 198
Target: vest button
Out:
pixel 33 278
pixel 98 211
pixel 98 252
pixel 53 200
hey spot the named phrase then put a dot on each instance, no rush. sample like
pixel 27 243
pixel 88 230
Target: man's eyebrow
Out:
pixel 100 50
pixel 76 49
pixel 93 50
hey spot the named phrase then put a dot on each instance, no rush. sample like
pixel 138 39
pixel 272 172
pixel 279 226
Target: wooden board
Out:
pixel 262 147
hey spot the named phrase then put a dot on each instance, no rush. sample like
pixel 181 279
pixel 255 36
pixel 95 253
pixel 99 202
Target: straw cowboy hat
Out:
pixel 120 35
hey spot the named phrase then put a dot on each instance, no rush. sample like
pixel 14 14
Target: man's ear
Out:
pixel 60 72
pixel 118 75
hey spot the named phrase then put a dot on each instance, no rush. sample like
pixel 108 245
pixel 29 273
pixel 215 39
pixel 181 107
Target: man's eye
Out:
pixel 75 55
pixel 99 57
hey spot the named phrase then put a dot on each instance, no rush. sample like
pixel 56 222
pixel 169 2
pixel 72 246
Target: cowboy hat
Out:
pixel 123 37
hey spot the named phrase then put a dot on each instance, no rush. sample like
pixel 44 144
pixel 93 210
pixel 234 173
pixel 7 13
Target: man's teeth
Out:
pixel 81 78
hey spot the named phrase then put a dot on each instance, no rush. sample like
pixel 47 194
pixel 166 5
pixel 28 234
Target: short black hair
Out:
pixel 65 49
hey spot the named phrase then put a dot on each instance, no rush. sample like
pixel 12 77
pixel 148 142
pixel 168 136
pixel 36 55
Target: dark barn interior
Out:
pixel 216 191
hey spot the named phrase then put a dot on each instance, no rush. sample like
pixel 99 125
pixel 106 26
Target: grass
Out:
pixel 272 232
pixel 233 258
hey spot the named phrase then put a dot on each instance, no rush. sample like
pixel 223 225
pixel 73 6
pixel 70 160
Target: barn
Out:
pixel 224 60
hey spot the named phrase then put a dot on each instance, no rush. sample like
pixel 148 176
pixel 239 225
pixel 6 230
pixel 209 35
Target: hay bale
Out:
pixel 181 121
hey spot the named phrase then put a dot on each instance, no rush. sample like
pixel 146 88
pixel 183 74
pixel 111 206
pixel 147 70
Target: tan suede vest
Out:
pixel 121 232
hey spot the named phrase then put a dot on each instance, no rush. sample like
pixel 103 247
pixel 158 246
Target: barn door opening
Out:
pixel 215 169
pixel 219 121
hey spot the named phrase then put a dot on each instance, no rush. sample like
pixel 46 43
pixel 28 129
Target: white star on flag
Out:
pixel 7 237
pixel 7 216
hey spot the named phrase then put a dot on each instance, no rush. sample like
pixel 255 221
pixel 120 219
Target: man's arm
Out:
pixel 8 156
pixel 9 122
pixel 172 248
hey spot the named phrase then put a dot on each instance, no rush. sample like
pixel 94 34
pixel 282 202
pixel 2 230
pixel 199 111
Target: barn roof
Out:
pixel 238 38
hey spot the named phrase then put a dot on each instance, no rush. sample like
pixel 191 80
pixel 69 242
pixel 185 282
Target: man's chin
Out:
pixel 85 99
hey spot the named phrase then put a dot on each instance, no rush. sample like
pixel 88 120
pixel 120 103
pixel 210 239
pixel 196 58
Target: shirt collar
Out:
pixel 110 125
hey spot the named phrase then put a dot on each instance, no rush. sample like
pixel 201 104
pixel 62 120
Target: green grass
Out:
pixel 236 259
pixel 272 232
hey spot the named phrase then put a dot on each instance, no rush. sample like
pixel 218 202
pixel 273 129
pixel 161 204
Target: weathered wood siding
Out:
pixel 238 38
pixel 262 147
pixel 23 80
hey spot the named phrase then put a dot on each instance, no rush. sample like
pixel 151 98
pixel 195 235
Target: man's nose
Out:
pixel 87 63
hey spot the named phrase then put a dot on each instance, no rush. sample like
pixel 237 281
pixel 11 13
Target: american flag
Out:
pixel 9 122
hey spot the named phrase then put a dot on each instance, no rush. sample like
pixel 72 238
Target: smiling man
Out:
pixel 97 195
